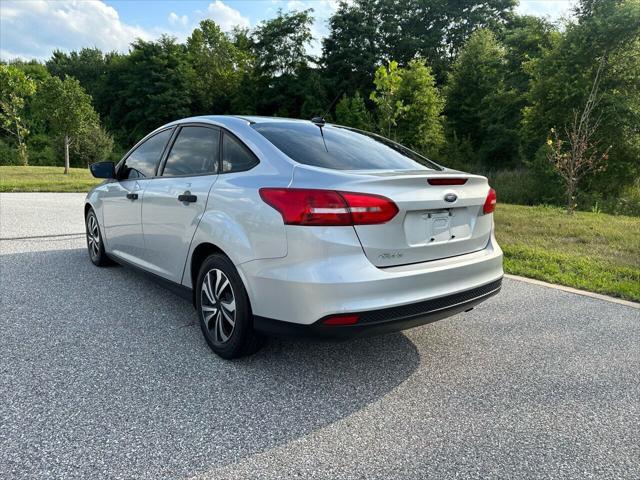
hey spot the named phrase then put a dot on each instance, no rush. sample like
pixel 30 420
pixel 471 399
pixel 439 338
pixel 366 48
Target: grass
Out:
pixel 591 251
pixel 45 179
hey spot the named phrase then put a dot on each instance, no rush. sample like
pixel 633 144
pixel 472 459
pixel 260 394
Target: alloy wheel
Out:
pixel 218 306
pixel 93 236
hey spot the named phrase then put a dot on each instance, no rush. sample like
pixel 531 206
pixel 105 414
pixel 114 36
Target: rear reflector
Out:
pixel 490 202
pixel 342 320
pixel 299 206
pixel 447 181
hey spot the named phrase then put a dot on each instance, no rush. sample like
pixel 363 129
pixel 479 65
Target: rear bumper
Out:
pixel 334 277
pixel 386 320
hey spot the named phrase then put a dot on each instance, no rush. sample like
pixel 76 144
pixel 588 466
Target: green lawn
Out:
pixel 591 251
pixel 45 179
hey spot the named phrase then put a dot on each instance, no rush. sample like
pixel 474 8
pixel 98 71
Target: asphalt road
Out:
pixel 104 374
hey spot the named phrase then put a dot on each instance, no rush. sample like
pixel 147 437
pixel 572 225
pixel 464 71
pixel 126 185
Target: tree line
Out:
pixel 472 85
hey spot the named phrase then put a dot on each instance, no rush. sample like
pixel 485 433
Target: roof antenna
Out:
pixel 320 121
pixel 320 125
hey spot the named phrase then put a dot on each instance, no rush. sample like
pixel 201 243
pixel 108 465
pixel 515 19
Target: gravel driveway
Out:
pixel 104 374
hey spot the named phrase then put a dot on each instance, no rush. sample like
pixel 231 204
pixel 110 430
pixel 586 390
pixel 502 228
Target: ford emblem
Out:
pixel 450 197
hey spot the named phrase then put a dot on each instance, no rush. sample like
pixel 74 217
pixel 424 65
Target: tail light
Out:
pixel 490 202
pixel 300 206
pixel 447 181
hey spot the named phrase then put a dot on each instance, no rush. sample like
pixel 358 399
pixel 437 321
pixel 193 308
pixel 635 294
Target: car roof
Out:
pixel 260 119
pixel 231 120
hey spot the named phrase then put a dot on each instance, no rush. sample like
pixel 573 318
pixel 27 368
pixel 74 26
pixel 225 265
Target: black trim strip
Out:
pixel 178 289
pixel 385 320
pixel 428 306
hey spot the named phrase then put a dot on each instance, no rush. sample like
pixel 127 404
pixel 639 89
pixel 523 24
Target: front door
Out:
pixel 122 201
pixel 175 201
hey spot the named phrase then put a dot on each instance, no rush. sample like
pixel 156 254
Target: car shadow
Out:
pixel 106 371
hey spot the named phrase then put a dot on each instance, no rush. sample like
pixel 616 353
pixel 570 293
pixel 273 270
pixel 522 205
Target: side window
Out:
pixel 195 151
pixel 235 156
pixel 143 160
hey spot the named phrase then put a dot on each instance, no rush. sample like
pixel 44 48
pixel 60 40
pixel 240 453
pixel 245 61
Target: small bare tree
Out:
pixel 579 155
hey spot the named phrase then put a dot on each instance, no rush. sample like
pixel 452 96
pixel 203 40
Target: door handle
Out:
pixel 187 197
pixel 132 196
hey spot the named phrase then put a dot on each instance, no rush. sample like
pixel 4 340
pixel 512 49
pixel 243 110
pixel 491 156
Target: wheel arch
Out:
pixel 200 253
pixel 198 256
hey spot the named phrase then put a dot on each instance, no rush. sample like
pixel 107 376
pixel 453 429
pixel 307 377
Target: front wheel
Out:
pixel 224 310
pixel 95 245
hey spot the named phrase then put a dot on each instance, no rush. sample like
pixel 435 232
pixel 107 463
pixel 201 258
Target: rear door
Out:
pixel 175 201
pixel 122 201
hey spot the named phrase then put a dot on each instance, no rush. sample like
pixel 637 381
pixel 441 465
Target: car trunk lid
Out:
pixel 435 220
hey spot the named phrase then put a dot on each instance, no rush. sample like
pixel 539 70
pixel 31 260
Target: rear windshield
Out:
pixel 341 148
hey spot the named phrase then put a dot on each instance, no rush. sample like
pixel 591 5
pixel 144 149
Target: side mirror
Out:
pixel 103 170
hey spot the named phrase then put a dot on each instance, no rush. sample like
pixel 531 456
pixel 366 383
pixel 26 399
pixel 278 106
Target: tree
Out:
pixel 217 66
pixel 352 112
pixel 579 156
pixel 15 88
pixel 147 88
pixel 365 33
pixel 386 96
pixel 88 66
pixel 280 44
pixel 561 80
pixel 33 69
pixel 313 93
pixel 525 38
pixel 477 97
pixel 67 111
pixel 282 67
pixel 420 124
pixel 94 145
pixel 350 51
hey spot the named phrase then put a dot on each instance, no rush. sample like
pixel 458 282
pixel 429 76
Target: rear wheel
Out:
pixel 224 310
pixel 95 245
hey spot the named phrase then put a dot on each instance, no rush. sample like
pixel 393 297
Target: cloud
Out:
pixel 225 16
pixel 175 19
pixel 322 11
pixel 554 9
pixel 34 28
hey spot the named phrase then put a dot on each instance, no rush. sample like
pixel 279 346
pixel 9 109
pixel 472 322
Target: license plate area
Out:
pixel 438 226
pixel 433 227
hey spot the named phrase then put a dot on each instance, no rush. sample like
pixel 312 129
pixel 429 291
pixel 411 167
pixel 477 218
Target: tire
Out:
pixel 224 310
pixel 95 245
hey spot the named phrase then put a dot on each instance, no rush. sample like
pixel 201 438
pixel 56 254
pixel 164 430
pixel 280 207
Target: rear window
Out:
pixel 340 148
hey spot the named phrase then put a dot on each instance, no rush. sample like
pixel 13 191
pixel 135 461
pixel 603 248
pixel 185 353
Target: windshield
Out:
pixel 340 148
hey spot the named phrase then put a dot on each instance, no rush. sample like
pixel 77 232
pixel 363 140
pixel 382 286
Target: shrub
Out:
pixel 94 145
pixel 625 202
pixel 8 154
pixel 43 151
pixel 515 186
pixel 459 154
pixel 628 203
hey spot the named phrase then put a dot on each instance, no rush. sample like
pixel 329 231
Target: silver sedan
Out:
pixel 293 227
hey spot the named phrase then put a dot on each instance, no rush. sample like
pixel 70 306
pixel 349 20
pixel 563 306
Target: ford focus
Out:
pixel 275 226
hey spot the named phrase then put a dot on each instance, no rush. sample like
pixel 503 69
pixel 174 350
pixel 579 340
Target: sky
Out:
pixel 35 28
